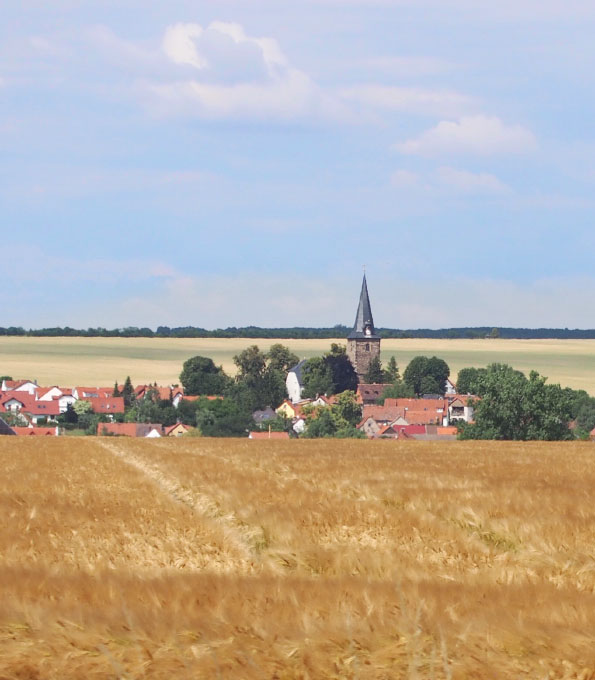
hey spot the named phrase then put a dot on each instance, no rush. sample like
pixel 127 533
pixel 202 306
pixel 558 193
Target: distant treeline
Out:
pixel 300 332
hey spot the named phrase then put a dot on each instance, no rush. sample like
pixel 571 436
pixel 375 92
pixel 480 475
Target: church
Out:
pixel 363 344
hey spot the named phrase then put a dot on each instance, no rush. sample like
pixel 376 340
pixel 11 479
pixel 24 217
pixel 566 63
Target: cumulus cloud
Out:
pixel 234 75
pixel 180 47
pixel 481 135
pixel 439 102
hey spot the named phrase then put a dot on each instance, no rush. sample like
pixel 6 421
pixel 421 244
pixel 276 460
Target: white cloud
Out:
pixel 179 45
pixel 470 182
pixel 237 76
pixel 482 135
pixel 440 102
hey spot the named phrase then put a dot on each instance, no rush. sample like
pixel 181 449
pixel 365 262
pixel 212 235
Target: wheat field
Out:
pixel 102 361
pixel 198 558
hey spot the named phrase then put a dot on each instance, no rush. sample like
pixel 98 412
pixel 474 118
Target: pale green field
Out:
pixel 101 361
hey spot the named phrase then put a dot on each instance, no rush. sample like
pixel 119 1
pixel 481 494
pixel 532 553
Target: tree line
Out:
pixel 303 333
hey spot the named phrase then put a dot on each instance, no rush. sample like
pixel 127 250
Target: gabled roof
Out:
pixel 298 369
pixel 111 405
pixel 171 428
pixel 17 384
pixel 363 318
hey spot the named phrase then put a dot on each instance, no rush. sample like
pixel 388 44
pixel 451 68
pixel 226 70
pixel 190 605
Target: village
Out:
pixel 37 410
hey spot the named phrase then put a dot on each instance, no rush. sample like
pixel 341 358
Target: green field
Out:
pixel 101 361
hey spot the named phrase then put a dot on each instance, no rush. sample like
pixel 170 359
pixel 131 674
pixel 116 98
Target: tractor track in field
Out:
pixel 249 541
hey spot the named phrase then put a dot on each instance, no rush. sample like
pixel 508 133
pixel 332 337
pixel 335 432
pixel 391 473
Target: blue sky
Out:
pixel 236 162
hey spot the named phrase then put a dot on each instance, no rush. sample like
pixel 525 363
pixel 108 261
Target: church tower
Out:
pixel 363 344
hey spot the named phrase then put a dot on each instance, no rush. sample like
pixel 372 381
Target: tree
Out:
pixel 346 410
pixel 342 371
pixel 513 407
pixel 222 418
pixel 391 372
pixel 200 376
pixel 251 363
pixel 398 390
pixel 281 358
pixel 116 392
pixel 317 377
pixel 467 380
pixel 82 406
pixel 338 420
pixel 128 392
pixel 421 367
pixel 429 385
pixel 374 374
pixel 259 381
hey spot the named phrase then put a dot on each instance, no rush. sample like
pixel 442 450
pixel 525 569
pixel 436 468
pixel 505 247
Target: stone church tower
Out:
pixel 362 343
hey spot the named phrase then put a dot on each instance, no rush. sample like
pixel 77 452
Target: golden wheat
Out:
pixel 200 558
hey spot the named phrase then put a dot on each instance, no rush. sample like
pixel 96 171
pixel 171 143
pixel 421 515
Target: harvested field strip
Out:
pixel 246 540
pixel 74 505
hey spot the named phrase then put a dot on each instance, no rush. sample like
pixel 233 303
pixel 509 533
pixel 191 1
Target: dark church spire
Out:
pixel 364 323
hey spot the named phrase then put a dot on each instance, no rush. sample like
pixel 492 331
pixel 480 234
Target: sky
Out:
pixel 238 162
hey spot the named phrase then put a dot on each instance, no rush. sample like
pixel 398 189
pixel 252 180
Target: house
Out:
pixel 268 435
pixel 158 393
pixel 63 395
pixel 28 406
pixel 66 399
pixel 288 409
pixel 92 392
pixel 177 430
pixel 451 388
pixel 150 430
pixel 106 406
pixel 41 410
pixel 460 408
pixel 294 382
pixel 29 386
pixel 369 393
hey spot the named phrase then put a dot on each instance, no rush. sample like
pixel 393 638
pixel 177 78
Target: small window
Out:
pixel 367 346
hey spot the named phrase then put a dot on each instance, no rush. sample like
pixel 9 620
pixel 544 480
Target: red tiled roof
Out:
pixel 464 398
pixel 15 384
pixel 12 394
pixel 171 428
pixel 35 431
pixel 30 404
pixel 417 404
pixel 127 429
pixel 111 405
